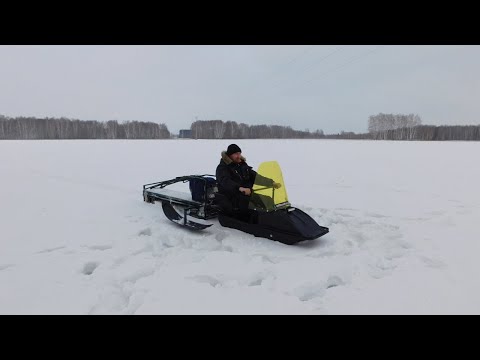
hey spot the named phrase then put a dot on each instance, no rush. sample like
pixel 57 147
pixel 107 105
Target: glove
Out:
pixel 277 185
pixel 246 191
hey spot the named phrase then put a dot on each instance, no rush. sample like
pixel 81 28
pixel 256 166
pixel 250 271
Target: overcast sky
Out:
pixel 333 88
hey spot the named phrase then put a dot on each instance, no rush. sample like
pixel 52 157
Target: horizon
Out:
pixel 188 128
pixel 326 87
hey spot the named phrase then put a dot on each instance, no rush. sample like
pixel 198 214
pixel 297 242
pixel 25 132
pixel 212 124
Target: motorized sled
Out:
pixel 270 214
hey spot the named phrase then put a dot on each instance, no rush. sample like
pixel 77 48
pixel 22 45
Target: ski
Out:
pixel 175 217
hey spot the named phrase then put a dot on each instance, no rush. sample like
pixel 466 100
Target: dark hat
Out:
pixel 232 149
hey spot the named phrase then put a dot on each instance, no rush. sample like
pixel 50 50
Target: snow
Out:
pixel 76 236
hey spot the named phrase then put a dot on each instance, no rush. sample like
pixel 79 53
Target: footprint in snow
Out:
pixel 205 279
pixel 90 267
pixel 145 232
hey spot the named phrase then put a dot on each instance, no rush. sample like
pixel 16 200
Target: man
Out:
pixel 235 179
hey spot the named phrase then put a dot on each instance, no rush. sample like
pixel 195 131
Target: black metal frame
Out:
pixel 192 207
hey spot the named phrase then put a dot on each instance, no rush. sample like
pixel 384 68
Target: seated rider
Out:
pixel 235 179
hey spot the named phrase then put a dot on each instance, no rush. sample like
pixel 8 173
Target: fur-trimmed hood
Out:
pixel 226 159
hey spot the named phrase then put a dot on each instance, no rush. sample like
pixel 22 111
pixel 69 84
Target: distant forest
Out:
pixel 409 127
pixel 218 129
pixel 63 128
pixel 380 127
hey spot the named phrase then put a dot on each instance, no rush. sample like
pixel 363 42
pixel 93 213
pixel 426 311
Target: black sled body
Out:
pixel 288 226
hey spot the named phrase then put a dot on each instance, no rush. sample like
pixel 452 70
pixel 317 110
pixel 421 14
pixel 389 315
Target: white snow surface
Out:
pixel 76 236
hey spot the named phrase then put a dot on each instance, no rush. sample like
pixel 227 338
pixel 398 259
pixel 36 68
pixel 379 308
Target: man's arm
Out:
pixel 261 180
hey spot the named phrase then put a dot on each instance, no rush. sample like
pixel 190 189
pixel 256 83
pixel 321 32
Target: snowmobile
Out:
pixel 271 215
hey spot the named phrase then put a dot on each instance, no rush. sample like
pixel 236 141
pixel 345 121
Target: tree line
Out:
pixel 417 133
pixel 24 128
pixel 431 133
pixel 380 127
pixel 218 129
pixel 409 127
pixel 393 126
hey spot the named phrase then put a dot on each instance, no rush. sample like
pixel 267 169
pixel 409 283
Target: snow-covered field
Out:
pixel 77 238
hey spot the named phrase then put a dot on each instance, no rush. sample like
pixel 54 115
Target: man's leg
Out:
pixel 224 203
pixel 236 206
pixel 243 208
